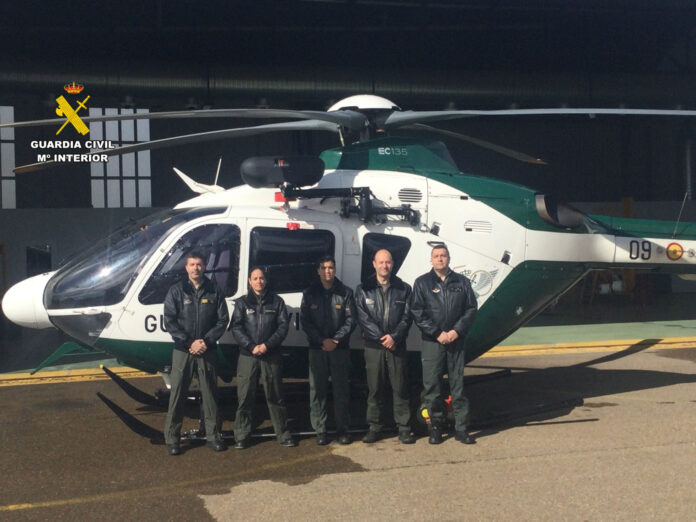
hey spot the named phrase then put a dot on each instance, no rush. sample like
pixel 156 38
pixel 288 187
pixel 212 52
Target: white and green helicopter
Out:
pixel 520 249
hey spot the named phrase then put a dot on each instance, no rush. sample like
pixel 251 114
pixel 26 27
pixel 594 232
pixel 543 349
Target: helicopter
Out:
pixel 521 249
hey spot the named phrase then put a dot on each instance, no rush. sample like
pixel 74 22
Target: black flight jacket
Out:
pixel 440 306
pixel 380 314
pixel 328 314
pixel 191 314
pixel 257 322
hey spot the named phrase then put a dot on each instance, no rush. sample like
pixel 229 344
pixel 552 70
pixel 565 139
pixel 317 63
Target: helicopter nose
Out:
pixel 23 303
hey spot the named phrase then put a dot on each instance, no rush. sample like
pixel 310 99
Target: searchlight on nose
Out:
pixel 23 303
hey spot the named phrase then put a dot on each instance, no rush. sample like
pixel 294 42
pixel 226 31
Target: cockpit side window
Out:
pixel 220 245
pixel 372 242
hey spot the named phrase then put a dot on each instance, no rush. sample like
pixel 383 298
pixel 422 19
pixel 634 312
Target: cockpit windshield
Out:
pixel 102 274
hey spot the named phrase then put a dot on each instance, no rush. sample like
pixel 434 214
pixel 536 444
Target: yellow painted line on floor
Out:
pixel 175 488
pixel 95 374
pixel 57 376
pixel 589 347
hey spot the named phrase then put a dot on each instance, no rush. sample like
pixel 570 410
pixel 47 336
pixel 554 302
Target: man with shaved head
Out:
pixel 382 302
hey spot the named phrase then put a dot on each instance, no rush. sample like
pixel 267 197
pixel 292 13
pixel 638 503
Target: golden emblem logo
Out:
pixel 65 109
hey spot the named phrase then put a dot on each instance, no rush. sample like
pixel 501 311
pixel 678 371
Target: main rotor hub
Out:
pixel 364 102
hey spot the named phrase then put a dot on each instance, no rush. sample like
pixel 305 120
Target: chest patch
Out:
pixel 187 301
pixel 436 290
pixel 369 301
pixel 338 306
pixel 250 311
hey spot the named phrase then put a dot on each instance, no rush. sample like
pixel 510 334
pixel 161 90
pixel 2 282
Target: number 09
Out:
pixel 640 250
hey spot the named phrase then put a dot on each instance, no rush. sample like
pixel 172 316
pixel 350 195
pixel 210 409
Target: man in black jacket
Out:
pixel 384 316
pixel 260 323
pixel 195 315
pixel 444 307
pixel 328 318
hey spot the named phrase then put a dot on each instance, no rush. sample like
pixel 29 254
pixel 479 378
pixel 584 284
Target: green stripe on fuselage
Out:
pixel 524 293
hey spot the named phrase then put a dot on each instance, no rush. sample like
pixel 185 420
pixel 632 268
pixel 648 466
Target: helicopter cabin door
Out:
pixel 288 252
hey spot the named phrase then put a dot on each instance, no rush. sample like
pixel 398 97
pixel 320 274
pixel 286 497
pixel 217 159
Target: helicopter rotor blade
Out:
pixel 398 119
pixel 306 125
pixel 520 156
pixel 346 118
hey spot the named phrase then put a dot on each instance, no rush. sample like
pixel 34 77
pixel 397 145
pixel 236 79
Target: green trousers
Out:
pixel 380 365
pixel 321 365
pixel 438 360
pixel 184 367
pixel 270 370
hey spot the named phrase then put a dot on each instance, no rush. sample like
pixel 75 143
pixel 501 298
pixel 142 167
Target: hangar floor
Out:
pixel 619 443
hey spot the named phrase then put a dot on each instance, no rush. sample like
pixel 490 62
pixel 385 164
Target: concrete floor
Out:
pixel 628 453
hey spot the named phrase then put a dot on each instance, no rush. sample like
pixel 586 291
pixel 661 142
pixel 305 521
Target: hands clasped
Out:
pixel 447 337
pixel 259 349
pixel 329 345
pixel 388 342
pixel 198 347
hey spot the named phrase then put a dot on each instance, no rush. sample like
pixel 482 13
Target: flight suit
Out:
pixel 328 314
pixel 384 311
pixel 191 314
pixel 260 320
pixel 440 306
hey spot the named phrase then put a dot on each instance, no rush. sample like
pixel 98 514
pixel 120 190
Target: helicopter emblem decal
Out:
pixel 482 281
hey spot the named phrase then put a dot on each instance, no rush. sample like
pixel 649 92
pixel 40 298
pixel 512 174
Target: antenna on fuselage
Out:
pixel 217 173
pixel 674 234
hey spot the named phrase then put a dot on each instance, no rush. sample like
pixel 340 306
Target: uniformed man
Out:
pixel 328 318
pixel 260 324
pixel 383 305
pixel 444 307
pixel 195 315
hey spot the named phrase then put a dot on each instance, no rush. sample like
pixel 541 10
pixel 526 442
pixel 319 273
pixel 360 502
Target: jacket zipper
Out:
pixel 259 318
pixel 197 300
pixel 385 313
pixel 443 285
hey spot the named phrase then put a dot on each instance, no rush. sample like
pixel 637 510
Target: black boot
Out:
pixel 464 437
pixel 435 435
